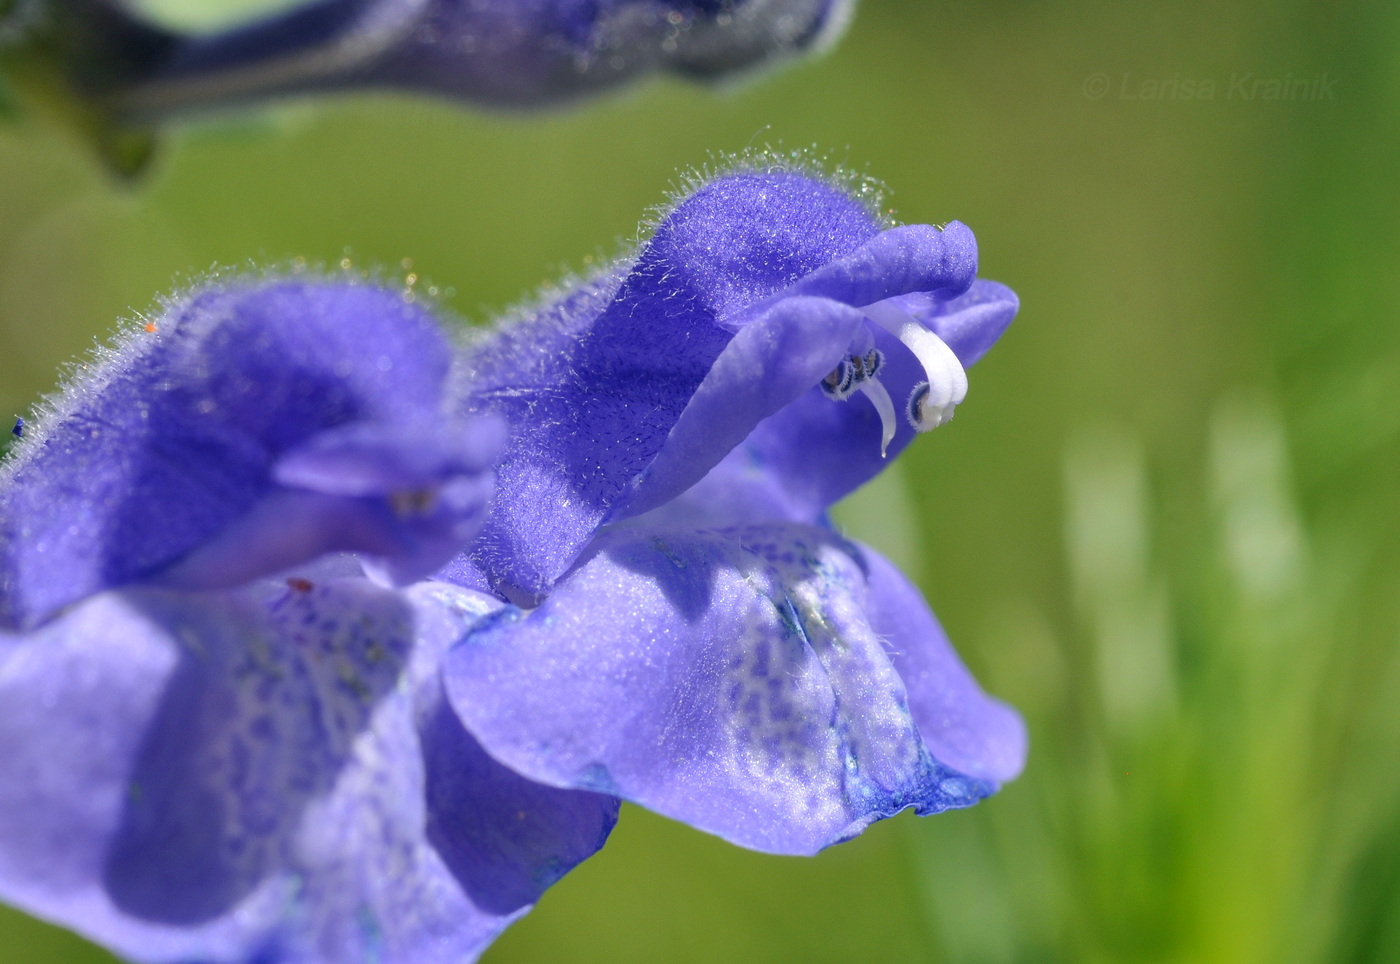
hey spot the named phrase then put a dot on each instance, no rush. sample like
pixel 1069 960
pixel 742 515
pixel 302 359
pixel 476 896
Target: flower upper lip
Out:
pixel 249 431
pixel 750 292
pixel 913 258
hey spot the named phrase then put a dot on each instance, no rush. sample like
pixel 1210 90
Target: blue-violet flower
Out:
pixel 223 737
pixel 685 629
pixel 219 740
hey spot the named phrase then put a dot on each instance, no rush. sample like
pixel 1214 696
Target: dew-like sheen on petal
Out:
pixel 740 681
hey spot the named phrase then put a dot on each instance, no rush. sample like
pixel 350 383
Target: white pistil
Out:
pixel 947 381
pixel 881 400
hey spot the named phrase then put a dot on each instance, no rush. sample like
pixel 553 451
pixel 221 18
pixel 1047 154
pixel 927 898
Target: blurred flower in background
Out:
pixel 507 53
pixel 131 73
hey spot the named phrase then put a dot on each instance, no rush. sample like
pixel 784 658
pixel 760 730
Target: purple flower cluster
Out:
pixel 325 639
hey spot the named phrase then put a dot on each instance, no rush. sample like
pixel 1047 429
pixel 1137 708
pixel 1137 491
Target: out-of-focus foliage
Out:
pixel 1164 524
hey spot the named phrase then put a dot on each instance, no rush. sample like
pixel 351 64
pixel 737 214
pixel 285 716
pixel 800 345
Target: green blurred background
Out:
pixel 1164 525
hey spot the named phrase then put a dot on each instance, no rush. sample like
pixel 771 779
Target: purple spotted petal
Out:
pixel 177 436
pixel 741 681
pixel 267 775
pixel 497 52
pixel 628 390
pixel 961 726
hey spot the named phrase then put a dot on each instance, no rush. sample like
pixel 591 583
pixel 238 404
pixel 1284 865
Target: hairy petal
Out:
pixel 913 258
pixel 740 681
pixel 606 392
pixel 180 433
pixel 244 776
pixel 745 237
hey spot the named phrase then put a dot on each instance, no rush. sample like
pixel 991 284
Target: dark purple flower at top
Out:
pixel 509 53
pixel 687 631
pixel 219 740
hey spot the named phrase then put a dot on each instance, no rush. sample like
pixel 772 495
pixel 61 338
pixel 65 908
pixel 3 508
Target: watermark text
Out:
pixel 1243 87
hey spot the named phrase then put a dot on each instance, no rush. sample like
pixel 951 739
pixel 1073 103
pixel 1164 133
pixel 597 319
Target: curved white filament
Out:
pixel 947 380
pixel 881 400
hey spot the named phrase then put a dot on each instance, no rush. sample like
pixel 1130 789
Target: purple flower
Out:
pixel 253 427
pixel 238 724
pixel 686 630
pixel 495 52
pixel 220 741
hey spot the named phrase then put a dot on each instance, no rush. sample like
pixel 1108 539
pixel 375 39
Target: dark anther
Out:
pixel 913 411
pixel 839 382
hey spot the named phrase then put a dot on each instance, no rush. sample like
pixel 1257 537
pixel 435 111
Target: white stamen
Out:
pixel 881 400
pixel 947 380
